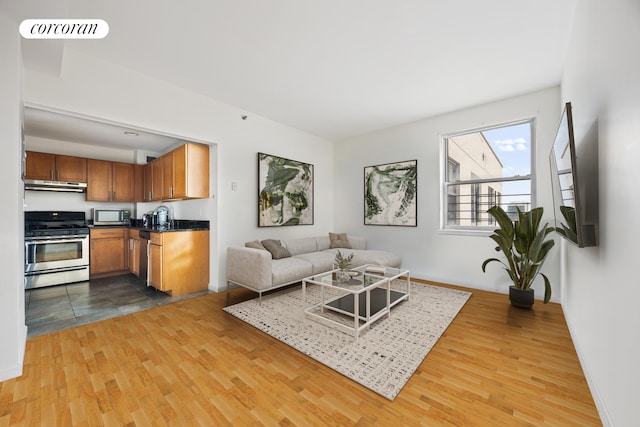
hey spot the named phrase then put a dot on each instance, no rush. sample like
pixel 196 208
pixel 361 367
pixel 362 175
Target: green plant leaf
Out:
pixel 487 261
pixel 524 245
pixel 547 288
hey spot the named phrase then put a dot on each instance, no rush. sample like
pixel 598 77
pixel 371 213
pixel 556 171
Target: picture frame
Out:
pixel 391 194
pixel 285 191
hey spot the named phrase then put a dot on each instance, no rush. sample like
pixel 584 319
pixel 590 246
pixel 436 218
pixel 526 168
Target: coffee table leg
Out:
pixel 356 312
pixel 304 294
pixel 388 298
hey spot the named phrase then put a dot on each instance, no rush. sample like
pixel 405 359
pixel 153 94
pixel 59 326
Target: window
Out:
pixel 487 167
pixel 453 175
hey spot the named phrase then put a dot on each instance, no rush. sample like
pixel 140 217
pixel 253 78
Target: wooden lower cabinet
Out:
pixel 108 252
pixel 179 261
pixel 134 252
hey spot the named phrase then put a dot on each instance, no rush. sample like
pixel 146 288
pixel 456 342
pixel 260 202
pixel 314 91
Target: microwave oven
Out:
pixel 111 216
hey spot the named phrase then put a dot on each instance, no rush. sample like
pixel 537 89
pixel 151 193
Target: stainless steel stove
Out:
pixel 56 248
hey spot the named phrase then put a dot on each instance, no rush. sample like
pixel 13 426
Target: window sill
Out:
pixel 467 231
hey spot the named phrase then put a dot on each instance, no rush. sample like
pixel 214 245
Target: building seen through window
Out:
pixel 487 167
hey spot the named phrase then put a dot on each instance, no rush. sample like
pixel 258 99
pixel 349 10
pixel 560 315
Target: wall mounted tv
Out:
pixel 575 193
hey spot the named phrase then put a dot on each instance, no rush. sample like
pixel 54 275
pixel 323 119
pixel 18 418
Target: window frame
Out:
pixel 446 228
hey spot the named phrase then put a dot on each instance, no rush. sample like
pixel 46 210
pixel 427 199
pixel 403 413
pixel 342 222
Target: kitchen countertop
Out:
pixel 176 225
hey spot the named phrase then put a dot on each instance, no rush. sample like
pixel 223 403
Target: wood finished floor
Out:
pixel 189 363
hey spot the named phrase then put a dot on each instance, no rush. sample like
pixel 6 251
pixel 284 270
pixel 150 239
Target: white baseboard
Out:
pixel 595 392
pixel 16 370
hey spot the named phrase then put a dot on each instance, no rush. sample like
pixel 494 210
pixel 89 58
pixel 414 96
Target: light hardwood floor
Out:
pixel 189 363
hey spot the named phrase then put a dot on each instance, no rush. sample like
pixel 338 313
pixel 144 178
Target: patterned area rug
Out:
pixel 384 357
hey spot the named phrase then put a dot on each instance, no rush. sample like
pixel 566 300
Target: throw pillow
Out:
pixel 275 247
pixel 255 245
pixel 339 240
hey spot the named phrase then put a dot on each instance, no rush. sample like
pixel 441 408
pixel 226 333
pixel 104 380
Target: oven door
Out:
pixel 54 253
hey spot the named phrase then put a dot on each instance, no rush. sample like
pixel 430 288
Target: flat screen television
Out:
pixel 571 204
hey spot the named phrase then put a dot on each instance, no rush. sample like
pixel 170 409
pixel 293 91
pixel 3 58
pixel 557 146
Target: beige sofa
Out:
pixel 256 269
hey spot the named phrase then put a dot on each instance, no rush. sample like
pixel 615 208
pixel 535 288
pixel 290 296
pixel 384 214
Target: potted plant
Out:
pixel 343 263
pixel 523 244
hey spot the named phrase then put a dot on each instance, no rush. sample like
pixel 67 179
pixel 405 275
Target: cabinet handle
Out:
pixel 58 174
pixel 114 196
pixel 51 174
pixel 171 191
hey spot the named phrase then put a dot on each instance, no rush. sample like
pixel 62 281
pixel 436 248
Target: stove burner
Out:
pixel 54 223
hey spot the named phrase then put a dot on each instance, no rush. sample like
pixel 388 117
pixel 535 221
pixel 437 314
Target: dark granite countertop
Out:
pixel 176 225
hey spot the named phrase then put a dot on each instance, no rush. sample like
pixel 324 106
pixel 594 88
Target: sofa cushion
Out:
pixel 320 261
pixel 289 270
pixel 322 243
pixel 300 246
pixel 357 242
pixel 362 257
pixel 339 240
pixel 255 244
pixel 276 248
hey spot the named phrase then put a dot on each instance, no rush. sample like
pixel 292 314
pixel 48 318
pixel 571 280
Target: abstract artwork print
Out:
pixel 390 194
pixel 285 192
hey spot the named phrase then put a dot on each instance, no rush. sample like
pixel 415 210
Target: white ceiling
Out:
pixel 81 130
pixel 333 68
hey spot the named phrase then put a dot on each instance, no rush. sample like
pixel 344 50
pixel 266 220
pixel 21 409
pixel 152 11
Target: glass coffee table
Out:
pixel 370 285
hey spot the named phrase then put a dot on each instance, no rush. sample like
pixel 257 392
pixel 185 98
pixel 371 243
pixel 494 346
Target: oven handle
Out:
pixel 30 253
pixel 55 239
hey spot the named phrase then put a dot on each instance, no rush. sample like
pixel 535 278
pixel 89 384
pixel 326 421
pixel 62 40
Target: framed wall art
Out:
pixel 285 192
pixel 390 194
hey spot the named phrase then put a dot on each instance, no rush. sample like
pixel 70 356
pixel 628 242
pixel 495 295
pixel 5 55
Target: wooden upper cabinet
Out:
pixel 71 169
pixel 40 165
pixel 157 179
pixel 138 183
pixel 123 182
pixel 148 182
pixel 110 181
pixel 182 174
pixel 179 186
pixel 191 172
pixel 54 167
pixel 99 179
pixel 167 176
pixel 178 175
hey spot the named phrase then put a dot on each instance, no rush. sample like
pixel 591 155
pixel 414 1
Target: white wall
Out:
pixel 602 81
pixel 13 333
pixel 427 252
pixel 93 88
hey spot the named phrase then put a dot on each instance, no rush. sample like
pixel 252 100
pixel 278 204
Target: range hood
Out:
pixel 42 185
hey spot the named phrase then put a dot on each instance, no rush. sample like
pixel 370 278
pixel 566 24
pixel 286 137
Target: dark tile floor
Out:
pixel 64 306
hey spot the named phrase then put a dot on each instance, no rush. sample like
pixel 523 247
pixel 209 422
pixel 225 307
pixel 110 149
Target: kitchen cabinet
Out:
pixel 108 251
pixel 179 261
pixel 138 183
pixel 148 182
pixel 157 179
pixel 181 174
pixel 134 252
pixel 55 167
pixel 110 181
